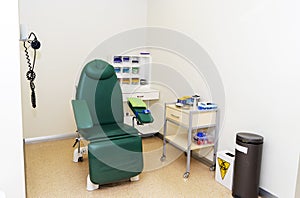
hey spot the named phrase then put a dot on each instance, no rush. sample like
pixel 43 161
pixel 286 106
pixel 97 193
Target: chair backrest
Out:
pixel 99 86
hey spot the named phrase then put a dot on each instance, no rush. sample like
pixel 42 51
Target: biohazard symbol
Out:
pixel 224 166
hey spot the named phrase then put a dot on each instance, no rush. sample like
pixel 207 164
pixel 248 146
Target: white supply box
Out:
pixel 224 168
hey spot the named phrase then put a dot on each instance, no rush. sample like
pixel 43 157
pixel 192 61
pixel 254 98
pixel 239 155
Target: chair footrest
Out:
pixel 127 160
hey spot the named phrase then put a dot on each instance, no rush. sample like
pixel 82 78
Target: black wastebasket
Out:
pixel 246 173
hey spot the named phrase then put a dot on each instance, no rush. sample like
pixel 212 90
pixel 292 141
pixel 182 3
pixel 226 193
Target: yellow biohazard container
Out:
pixel 224 168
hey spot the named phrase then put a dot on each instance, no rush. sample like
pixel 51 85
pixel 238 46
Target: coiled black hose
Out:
pixel 30 75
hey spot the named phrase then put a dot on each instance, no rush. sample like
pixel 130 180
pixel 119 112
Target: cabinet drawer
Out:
pixel 198 118
pixel 174 115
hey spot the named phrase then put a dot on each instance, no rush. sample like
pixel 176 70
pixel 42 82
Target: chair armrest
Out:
pixel 82 114
pixel 139 109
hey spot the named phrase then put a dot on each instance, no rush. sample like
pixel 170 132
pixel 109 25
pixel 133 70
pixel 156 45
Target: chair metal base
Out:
pixel 135 178
pixel 78 155
pixel 90 186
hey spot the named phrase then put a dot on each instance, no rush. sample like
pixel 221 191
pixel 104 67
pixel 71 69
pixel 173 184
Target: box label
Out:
pixel 241 148
pixel 224 166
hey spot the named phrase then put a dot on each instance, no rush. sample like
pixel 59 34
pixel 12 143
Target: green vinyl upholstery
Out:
pixel 99 87
pixel 82 114
pixel 115 148
pixel 119 159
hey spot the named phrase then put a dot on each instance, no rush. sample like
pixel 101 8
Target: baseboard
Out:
pixel 265 194
pixel 203 160
pixel 49 138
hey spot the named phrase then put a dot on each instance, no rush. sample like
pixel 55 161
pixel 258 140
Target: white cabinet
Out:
pixel 134 75
pixel 133 71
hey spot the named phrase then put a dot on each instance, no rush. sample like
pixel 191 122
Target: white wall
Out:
pixel 69 31
pixel 255 46
pixel 12 179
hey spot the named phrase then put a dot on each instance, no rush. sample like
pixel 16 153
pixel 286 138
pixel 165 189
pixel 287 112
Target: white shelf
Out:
pixel 181 141
pixel 132 70
pixel 146 129
pixel 135 83
pixel 144 93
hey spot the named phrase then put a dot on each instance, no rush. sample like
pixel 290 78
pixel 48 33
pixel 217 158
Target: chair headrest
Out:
pixel 99 70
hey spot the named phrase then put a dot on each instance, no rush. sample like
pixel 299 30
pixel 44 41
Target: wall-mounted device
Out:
pixel 30 42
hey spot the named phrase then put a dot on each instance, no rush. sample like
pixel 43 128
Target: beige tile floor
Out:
pixel 50 172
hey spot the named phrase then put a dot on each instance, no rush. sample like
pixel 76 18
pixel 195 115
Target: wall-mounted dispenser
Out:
pixel 23 32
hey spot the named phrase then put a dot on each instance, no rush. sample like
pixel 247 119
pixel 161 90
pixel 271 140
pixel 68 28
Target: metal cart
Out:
pixel 190 119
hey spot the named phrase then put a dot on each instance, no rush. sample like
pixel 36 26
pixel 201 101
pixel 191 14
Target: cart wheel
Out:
pixel 163 158
pixel 186 175
pixel 80 159
pixel 212 168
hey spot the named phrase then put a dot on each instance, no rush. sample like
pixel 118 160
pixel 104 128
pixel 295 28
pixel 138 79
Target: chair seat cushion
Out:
pixel 115 160
pixel 116 130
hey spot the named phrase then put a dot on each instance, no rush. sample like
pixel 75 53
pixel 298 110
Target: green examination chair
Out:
pixel 114 149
